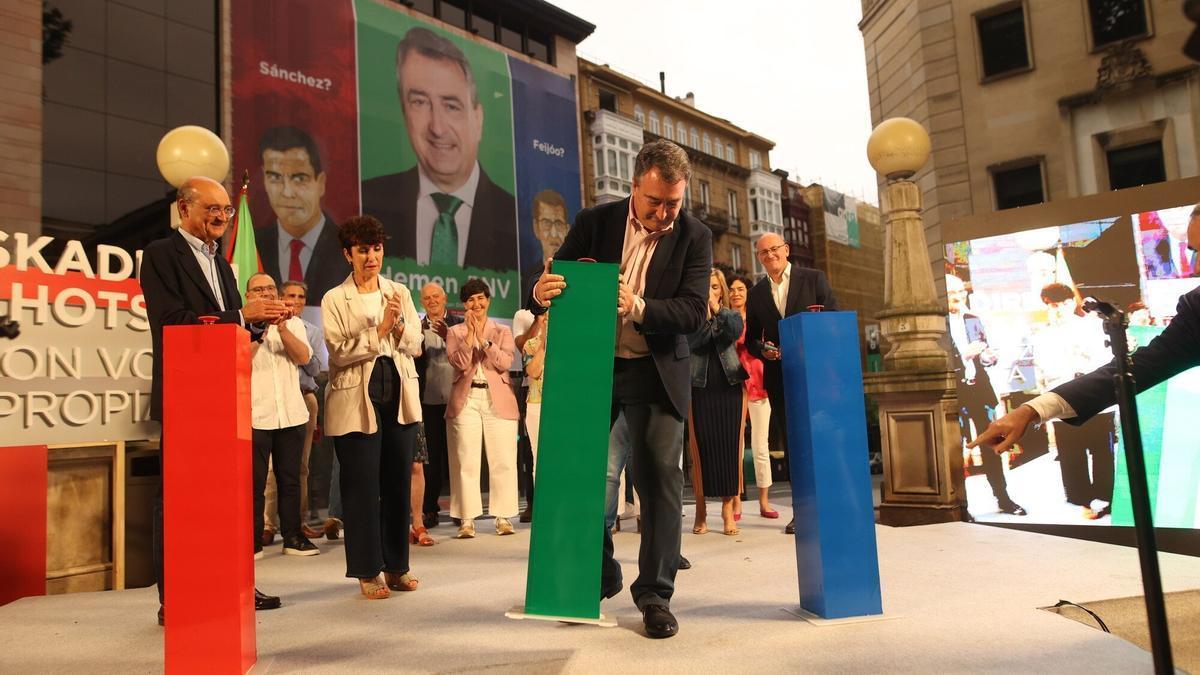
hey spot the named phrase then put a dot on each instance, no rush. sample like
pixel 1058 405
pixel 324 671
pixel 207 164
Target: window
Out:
pixel 1018 186
pixel 1116 20
pixel 538 49
pixel 668 131
pixel 681 133
pixel 755 159
pixel 608 100
pixel 424 6
pixel 510 38
pixel 704 193
pixel 485 28
pixel 729 154
pixel 639 115
pixel 455 16
pixel 735 256
pixel 719 148
pixel 1003 47
pixel 654 128
pixel 1135 165
pixel 707 144
pixel 733 211
pixel 753 207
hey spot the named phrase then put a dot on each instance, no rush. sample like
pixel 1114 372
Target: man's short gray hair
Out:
pixel 670 160
pixel 433 46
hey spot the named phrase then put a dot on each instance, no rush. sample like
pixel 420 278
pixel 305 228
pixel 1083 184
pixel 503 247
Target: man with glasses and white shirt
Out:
pixel 787 289
pixel 278 417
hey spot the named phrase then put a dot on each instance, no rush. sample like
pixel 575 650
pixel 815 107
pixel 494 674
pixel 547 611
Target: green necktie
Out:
pixel 443 250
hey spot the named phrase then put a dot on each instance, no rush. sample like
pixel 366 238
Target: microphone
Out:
pixel 1100 307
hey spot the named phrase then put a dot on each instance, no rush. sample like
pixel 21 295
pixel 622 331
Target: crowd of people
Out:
pixel 412 402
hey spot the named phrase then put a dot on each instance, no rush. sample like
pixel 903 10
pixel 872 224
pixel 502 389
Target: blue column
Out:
pixel 836 558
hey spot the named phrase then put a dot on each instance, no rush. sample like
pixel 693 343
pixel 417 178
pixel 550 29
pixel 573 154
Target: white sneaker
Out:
pixel 466 530
pixel 503 526
pixel 258 556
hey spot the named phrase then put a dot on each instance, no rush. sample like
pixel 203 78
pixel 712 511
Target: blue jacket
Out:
pixel 721 333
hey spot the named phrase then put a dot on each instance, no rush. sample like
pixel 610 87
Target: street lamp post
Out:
pixel 918 405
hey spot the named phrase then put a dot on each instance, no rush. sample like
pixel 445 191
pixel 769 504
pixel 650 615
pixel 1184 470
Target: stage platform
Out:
pixel 958 597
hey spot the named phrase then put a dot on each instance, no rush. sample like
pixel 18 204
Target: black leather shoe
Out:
pixel 684 563
pixel 263 601
pixel 527 515
pixel 1009 506
pixel 791 527
pixel 659 621
pixel 430 519
pixel 162 620
pixel 611 591
pixel 300 545
pixel 268 537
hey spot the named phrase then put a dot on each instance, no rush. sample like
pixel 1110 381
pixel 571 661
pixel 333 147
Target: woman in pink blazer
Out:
pixel 482 410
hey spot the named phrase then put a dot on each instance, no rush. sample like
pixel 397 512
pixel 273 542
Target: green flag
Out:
pixel 243 253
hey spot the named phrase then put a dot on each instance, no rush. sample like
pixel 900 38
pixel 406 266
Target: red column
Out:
pixel 23 501
pixel 209 601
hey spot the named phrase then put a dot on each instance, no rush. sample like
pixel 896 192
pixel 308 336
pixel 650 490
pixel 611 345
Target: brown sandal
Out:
pixel 374 589
pixel 401 582
pixel 420 536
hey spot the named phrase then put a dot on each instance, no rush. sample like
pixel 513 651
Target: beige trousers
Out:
pixel 475 429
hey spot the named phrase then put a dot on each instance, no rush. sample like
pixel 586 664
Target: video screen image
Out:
pixel 1017 329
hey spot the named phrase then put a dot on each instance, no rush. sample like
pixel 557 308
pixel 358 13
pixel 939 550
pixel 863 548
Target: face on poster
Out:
pixel 444 155
pixel 1018 329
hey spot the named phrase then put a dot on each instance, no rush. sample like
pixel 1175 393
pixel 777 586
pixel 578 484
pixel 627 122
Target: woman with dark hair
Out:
pixel 715 424
pixel 758 406
pixel 372 408
pixel 482 410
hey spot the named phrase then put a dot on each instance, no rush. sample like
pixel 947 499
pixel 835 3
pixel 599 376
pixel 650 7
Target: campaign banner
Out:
pixel 80 369
pixel 467 155
pixel 447 126
pixel 295 129
pixel 841 218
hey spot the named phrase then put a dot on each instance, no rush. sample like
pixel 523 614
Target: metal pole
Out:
pixel 1115 323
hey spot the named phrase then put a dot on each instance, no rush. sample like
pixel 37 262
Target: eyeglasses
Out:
pixel 548 223
pixel 217 210
pixel 261 289
pixel 774 249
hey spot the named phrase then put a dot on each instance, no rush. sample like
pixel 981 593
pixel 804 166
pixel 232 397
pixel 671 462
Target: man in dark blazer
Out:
pixel 302 244
pixel 666 259
pixel 447 197
pixel 1175 350
pixel 184 277
pixel 976 398
pixel 786 290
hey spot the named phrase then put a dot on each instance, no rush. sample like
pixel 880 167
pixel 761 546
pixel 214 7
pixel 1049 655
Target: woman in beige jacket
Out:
pixel 372 408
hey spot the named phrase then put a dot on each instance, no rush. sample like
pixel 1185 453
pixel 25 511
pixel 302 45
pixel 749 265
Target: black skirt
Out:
pixel 717 421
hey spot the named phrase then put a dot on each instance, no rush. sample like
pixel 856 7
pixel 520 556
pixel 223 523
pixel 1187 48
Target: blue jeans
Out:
pixel 619 450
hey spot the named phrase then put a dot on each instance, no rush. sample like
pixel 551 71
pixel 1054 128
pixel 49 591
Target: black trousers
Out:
pixel 437 471
pixel 777 428
pixel 656 439
pixel 376 482
pixel 524 447
pixel 993 466
pixel 282 449
pixel 156 522
pixel 1094 437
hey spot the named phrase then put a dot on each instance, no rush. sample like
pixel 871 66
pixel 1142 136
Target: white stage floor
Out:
pixel 966 598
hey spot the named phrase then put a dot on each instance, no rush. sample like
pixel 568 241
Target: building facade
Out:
pixel 1029 101
pixel 732 188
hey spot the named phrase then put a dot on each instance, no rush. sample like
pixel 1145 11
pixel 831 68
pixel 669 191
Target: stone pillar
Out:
pixel 918 404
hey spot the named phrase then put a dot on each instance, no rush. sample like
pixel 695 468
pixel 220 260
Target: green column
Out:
pixel 568 523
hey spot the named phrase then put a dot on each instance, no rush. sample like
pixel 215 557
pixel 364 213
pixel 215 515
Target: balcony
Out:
pixel 716 219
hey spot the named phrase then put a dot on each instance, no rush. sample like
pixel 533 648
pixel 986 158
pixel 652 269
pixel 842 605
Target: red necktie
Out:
pixel 294 271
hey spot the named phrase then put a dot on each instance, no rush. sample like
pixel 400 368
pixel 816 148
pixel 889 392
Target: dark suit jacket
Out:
pixel 177 293
pixel 806 287
pixel 326 268
pixel 422 361
pixel 1174 351
pixel 493 239
pixel 978 392
pixel 676 286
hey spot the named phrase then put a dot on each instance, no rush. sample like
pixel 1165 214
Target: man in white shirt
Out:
pixel 278 418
